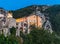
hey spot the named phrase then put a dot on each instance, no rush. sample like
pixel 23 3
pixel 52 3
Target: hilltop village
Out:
pixel 23 24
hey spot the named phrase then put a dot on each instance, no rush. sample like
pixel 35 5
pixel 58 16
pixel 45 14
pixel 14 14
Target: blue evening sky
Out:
pixel 16 4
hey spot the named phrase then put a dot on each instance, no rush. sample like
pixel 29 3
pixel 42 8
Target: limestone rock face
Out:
pixel 6 22
pixel 45 21
pixel 12 23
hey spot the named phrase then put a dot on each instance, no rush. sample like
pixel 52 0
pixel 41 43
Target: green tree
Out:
pixel 13 31
pixel 10 40
pixel 54 15
pixel 40 36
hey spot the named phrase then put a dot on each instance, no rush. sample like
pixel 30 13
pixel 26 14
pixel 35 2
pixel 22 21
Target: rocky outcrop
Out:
pixel 45 20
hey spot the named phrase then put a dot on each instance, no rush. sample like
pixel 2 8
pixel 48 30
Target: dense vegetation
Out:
pixel 54 14
pixel 22 12
pixel 26 11
pixel 40 36
pixel 36 36
pixel 10 39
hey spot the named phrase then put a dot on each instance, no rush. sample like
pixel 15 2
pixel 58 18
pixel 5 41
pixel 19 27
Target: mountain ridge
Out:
pixel 53 12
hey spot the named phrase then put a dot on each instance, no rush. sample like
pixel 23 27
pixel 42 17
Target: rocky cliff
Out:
pixel 51 13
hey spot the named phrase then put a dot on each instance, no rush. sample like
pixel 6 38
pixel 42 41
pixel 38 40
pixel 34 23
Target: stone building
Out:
pixel 26 22
pixel 36 18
